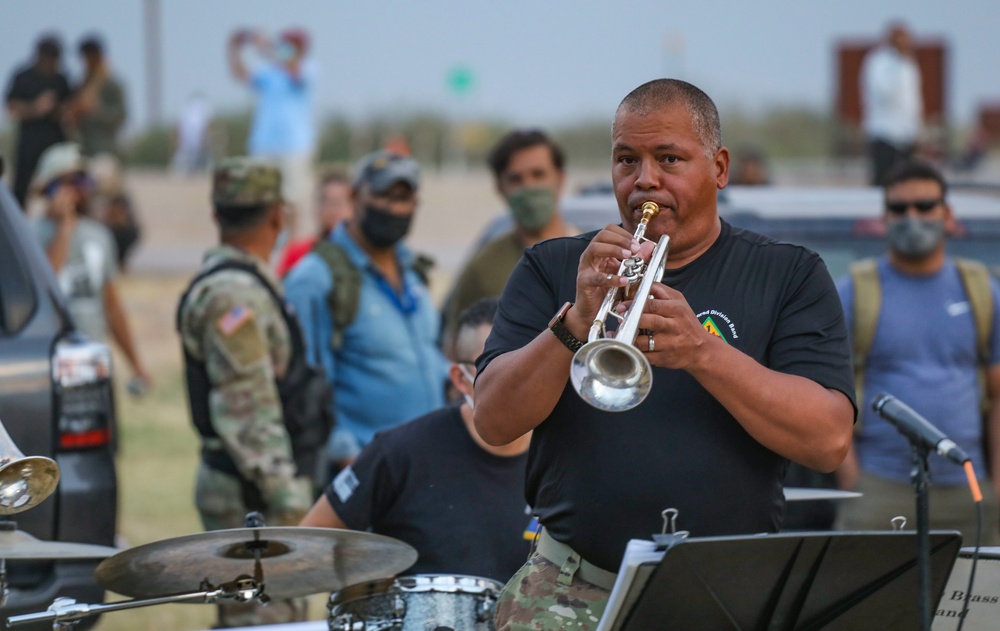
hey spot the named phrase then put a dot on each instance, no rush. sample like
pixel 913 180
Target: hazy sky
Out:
pixel 534 61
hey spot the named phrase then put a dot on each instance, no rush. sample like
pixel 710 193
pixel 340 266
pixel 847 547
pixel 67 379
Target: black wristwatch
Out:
pixel 558 327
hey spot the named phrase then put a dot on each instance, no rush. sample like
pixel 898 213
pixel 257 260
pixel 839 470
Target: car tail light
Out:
pixel 81 371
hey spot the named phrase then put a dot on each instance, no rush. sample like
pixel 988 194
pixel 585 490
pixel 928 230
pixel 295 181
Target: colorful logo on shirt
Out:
pixel 718 324
pixel 532 530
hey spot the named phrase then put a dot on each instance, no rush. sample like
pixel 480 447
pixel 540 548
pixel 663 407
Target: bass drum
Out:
pixel 423 602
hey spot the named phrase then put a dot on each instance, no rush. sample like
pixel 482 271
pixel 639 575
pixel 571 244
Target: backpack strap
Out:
pixel 344 297
pixel 867 304
pixel 976 280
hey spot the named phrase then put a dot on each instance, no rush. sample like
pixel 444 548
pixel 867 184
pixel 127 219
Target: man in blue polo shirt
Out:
pixel 283 130
pixel 384 364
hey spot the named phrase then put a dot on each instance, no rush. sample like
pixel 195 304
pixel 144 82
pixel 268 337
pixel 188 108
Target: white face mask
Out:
pixel 472 381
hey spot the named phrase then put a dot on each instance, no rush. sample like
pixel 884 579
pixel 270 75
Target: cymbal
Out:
pixel 16 544
pixel 295 561
pixel 795 494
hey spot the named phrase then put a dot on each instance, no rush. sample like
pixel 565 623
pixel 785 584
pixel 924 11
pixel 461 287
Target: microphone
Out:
pixel 915 427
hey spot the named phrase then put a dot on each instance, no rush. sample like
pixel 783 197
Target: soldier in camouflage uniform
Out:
pixel 230 324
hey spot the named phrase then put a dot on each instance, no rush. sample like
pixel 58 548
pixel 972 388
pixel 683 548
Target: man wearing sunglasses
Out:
pixel 83 253
pixel 924 329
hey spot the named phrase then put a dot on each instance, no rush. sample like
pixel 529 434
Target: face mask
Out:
pixel 384 229
pixel 532 207
pixel 472 380
pixel 915 238
pixel 284 51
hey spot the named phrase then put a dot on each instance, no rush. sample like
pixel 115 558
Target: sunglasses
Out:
pixel 79 180
pixel 922 206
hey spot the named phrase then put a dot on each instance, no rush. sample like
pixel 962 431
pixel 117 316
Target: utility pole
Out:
pixel 154 57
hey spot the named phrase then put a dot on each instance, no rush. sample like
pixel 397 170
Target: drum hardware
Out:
pixel 64 613
pixel 293 561
pixel 286 562
pixel 611 374
pixel 415 603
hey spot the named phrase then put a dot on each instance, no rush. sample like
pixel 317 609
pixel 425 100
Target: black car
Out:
pixel 55 401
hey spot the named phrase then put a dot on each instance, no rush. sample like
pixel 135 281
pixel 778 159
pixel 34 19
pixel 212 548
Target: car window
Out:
pixel 18 299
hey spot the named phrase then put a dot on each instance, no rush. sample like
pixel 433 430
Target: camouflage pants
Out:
pixel 220 506
pixel 542 596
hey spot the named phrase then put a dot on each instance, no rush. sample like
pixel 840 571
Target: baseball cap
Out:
pixel 381 169
pixel 296 37
pixel 243 181
pixel 60 159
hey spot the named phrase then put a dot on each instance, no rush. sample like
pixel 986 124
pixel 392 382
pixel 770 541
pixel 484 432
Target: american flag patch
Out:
pixel 233 319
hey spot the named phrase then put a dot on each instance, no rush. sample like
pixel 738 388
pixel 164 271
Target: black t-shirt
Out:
pixel 27 85
pixel 429 484
pixel 597 479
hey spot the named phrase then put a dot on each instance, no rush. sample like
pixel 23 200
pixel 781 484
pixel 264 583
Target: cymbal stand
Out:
pixel 66 612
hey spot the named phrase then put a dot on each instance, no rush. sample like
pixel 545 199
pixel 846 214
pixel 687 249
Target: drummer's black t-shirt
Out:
pixel 597 479
pixel 429 484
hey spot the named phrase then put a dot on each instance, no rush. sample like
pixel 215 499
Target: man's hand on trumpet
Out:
pixel 669 331
pixel 598 272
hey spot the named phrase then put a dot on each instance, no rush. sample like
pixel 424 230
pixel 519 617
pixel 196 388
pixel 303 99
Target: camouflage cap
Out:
pixel 381 169
pixel 242 181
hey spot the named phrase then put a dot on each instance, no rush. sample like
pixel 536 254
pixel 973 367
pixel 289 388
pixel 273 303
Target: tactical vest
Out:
pixel 305 393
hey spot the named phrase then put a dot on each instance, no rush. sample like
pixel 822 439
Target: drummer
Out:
pixel 436 485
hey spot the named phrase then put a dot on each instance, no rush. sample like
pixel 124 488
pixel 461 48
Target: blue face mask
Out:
pixel 284 51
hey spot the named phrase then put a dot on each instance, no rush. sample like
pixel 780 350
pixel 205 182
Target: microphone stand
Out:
pixel 920 477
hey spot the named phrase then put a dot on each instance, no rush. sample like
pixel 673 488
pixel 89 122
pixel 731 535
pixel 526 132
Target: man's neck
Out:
pixel 926 266
pixel 384 259
pixel 256 247
pixel 555 228
pixel 515 448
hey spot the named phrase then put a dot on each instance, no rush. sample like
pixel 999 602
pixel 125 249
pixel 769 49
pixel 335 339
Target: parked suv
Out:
pixel 56 401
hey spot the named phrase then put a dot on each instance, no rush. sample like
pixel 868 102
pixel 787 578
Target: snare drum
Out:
pixel 424 602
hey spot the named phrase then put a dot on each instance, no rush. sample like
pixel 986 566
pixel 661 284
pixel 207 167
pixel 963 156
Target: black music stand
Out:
pixel 787 582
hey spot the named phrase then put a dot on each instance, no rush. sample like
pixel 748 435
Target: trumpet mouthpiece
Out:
pixel 649 210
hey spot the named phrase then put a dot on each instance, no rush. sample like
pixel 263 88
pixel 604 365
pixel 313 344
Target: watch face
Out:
pixel 560 314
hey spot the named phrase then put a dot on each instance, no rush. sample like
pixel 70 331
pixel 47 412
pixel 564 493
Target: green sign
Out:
pixel 461 80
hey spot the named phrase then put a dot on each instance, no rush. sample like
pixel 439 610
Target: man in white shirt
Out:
pixel 892 101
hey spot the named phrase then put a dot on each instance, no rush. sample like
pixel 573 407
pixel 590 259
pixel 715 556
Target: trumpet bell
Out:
pixel 24 480
pixel 611 375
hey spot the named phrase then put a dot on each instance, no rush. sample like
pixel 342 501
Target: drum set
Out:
pixel 245 565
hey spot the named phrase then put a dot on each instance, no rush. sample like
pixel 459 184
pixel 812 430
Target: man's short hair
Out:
pixel 333 176
pixel 914 169
pixel 503 151
pixel 660 93
pixel 477 314
pixel 91 45
pixel 240 217
pixel 49 46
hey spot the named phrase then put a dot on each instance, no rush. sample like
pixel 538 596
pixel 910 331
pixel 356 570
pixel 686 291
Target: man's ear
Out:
pixel 458 379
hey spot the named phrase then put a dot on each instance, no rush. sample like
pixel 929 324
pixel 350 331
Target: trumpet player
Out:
pixel 750 369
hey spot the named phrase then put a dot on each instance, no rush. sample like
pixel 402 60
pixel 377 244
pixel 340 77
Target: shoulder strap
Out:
pixel 867 304
pixel 976 281
pixel 345 295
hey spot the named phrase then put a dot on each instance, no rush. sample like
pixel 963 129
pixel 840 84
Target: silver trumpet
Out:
pixel 24 480
pixel 611 374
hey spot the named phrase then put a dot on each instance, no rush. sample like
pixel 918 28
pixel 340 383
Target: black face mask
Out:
pixel 384 229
